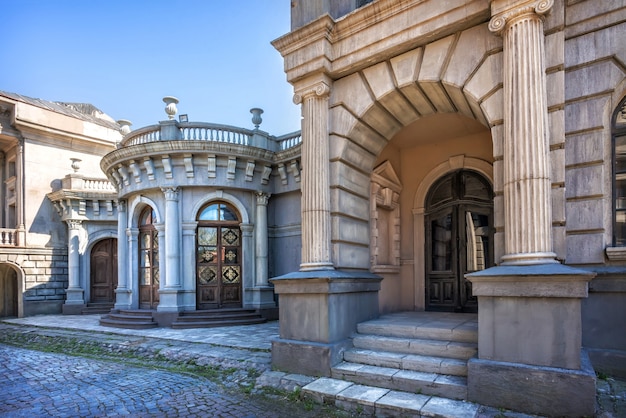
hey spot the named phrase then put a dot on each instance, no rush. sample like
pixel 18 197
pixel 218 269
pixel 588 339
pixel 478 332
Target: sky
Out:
pixel 124 56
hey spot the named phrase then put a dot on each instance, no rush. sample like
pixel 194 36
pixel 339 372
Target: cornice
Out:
pixel 317 30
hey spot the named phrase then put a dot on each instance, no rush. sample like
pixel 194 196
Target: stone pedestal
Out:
pixel 530 340
pixel 319 310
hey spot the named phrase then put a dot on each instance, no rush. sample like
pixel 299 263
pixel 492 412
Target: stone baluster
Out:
pixel 527 186
pixel 316 230
pixel 260 238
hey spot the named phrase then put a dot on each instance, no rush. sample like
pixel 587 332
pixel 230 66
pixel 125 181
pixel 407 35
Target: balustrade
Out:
pixel 8 237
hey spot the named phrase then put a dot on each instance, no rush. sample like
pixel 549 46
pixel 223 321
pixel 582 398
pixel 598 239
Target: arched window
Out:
pixel 148 260
pixel 218 257
pixel 619 175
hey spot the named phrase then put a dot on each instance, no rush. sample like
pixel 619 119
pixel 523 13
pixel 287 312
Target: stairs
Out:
pixel 97 308
pixel 130 319
pixel 416 352
pixel 217 318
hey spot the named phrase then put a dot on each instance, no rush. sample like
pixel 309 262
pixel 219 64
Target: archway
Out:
pixel 149 273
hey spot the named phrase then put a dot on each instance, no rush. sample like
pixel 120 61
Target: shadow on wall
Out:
pixel 48 222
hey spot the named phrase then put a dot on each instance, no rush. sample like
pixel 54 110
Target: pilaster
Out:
pixel 170 288
pixel 122 292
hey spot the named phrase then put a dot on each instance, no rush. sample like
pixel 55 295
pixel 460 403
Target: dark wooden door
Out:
pixel 218 267
pixel 8 292
pixel 104 271
pixel 459 240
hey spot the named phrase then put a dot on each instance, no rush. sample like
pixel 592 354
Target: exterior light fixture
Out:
pixel 183 118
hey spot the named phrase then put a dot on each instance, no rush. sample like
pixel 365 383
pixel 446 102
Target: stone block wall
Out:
pixel 42 278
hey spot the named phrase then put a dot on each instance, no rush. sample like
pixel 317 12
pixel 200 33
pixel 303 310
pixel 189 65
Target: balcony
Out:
pixel 9 237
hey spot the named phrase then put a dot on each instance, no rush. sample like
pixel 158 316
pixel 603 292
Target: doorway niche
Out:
pixel 385 220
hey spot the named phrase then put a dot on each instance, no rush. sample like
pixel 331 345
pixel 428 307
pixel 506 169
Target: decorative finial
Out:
pixel 170 109
pixel 125 124
pixel 256 116
pixel 75 164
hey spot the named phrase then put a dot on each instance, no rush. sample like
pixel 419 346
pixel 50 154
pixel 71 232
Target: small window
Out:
pixel 619 175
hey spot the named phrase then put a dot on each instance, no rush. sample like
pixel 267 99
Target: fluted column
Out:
pixel 74 293
pixel 316 232
pixel 172 242
pixel 260 238
pixel 527 185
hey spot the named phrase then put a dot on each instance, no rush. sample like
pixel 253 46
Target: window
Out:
pixel 619 175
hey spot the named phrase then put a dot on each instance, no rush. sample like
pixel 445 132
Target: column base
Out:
pixel 531 389
pixel 306 357
pixel 123 299
pixel 73 308
pixel 74 296
pixel 170 300
pixel 319 310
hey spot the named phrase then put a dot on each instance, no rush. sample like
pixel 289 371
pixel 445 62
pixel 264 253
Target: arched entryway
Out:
pixel 218 257
pixel 8 291
pixel 103 275
pixel 149 278
pixel 458 239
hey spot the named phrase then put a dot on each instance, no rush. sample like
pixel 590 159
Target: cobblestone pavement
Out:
pixel 37 384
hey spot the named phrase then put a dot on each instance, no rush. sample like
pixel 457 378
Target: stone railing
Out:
pixel 210 132
pixel 289 140
pixel 103 185
pixel 194 131
pixel 8 237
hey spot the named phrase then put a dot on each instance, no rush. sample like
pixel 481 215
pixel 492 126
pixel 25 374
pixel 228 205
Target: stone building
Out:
pixel 469 154
pixel 460 157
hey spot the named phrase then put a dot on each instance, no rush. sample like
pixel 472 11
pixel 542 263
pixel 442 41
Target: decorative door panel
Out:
pixel 103 276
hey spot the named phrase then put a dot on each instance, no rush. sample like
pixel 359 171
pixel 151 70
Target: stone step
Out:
pixel 214 323
pixel 383 402
pixel 415 362
pixel 108 321
pixel 133 312
pixel 452 387
pixel 424 347
pixel 223 317
pixel 219 312
pixel 464 332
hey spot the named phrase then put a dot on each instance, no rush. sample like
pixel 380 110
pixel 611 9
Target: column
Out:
pixel 315 182
pixel 74 293
pixel 527 186
pixel 260 238
pixel 530 355
pixel 122 292
pixel 172 242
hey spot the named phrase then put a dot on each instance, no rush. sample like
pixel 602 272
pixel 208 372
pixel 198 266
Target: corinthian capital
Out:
pixel 320 89
pixel 171 193
pixel 501 18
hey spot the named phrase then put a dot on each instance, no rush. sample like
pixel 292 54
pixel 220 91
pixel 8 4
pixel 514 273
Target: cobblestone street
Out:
pixel 35 384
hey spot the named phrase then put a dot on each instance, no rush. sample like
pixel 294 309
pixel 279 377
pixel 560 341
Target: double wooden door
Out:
pixel 218 266
pixel 459 240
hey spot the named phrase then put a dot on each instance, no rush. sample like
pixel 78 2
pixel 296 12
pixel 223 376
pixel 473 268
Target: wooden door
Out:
pixel 218 269
pixel 149 275
pixel 103 276
pixel 459 240
pixel 8 292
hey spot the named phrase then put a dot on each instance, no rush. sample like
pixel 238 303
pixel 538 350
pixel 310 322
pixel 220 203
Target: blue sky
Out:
pixel 123 57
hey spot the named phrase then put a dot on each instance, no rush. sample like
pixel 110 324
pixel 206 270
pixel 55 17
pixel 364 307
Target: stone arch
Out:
pixel 7 268
pixel 461 73
pixel 136 206
pixel 226 197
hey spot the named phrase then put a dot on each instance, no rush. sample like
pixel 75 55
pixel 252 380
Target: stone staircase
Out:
pixel 97 308
pixel 129 318
pixel 217 318
pixel 415 352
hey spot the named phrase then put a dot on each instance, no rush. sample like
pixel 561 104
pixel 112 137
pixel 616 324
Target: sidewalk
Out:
pixel 248 347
